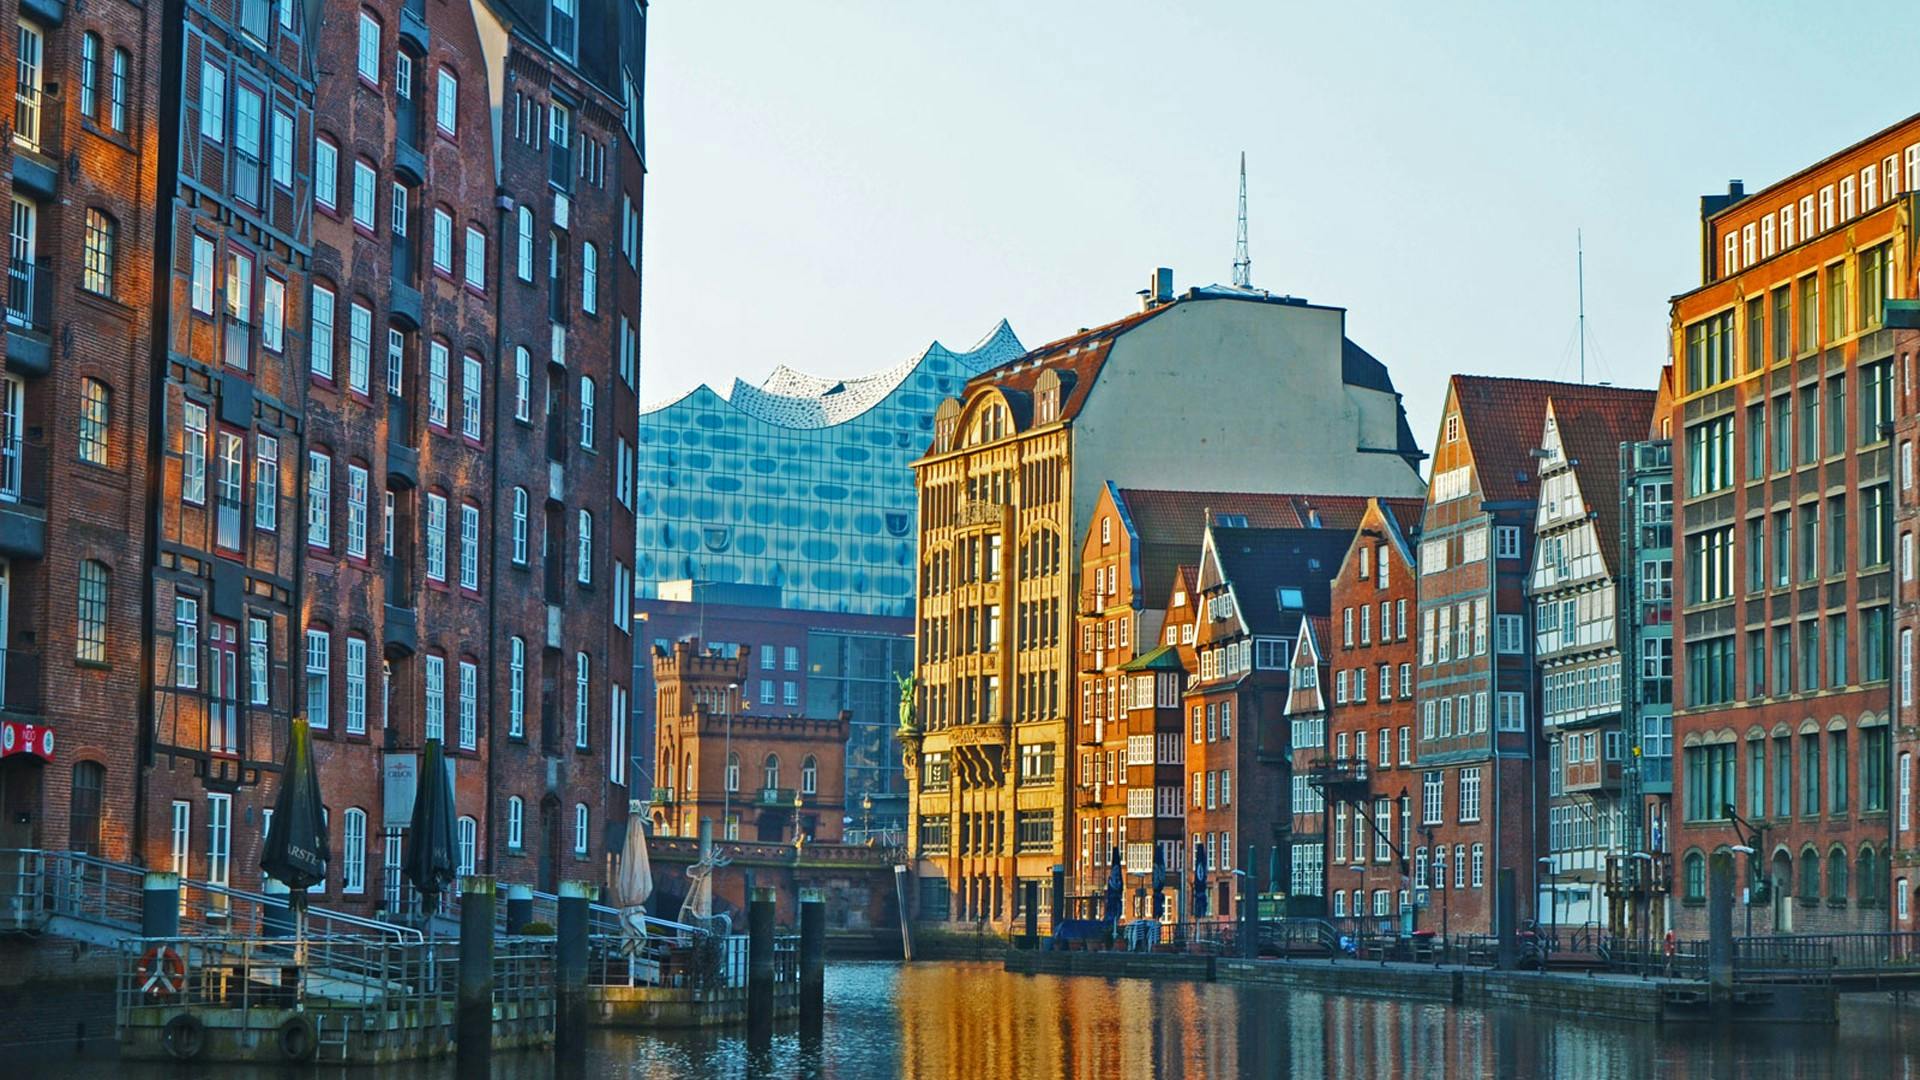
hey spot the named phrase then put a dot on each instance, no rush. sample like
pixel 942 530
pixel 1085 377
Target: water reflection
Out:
pixel 975 1020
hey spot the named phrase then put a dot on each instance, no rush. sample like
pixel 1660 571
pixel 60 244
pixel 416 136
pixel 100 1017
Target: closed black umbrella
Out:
pixel 1199 881
pixel 296 849
pixel 1114 885
pixel 1159 881
pixel 429 858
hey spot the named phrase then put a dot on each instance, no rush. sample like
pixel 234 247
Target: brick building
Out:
pixel 1903 318
pixel 1578 566
pixel 81 163
pixel 229 517
pixel 1312 771
pixel 1363 765
pixel 820 663
pixel 1784 460
pixel 1016 465
pixel 1482 785
pixel 768 776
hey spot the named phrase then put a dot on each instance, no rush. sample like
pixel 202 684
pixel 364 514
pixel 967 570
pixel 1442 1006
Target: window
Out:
pixel 584 556
pixel 319 650
pixel 560 27
pixel 96 275
pixel 273 314
pixel 282 148
pixel 436 537
pixel 587 389
pixel 733 772
pixel 580 830
pixel 321 357
pixel 469 705
pixel 353 848
pixel 437 360
pixel 213 102
pixel 476 269
pixel 193 454
pixel 516 823
pixel 359 348
pixel 89 73
pixel 326 174
pixel 470 397
pixel 523 247
pixel 435 672
pixel 522 384
pixel 319 499
pixel 442 241
pixel 589 279
pixel 1513 711
pixel 517 688
pixel 469 546
pixel 356 685
pixel 356 511
pixel 91 619
pixel 266 482
pixel 467 843
pixel 202 297
pixel 365 195
pixel 1506 541
pixel 248 116
pixel 1470 794
pixel 520 526
pixel 368 56
pixel 446 103
pixel 258 661
pixel 117 91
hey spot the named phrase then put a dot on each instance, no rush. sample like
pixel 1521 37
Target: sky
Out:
pixel 835 185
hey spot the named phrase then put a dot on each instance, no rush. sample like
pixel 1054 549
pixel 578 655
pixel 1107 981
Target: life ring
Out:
pixel 184 1037
pixel 1670 944
pixel 163 972
pixel 297 1039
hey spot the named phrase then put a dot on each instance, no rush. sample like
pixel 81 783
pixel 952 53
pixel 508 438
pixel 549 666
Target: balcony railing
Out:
pixel 36 119
pixel 30 293
pixel 663 796
pixel 1332 771
pixel 23 471
pixel 776 796
pixel 20 681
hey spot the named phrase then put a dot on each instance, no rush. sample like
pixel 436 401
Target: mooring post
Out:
pixel 1249 927
pixel 519 907
pixel 473 1007
pixel 160 905
pixel 570 971
pixel 1059 908
pixel 1720 927
pixel 1032 898
pixel 1505 932
pixel 813 961
pixel 906 918
pixel 760 967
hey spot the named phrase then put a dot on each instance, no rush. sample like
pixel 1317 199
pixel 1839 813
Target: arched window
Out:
pixel 733 772
pixel 523 252
pixel 83 824
pixel 353 851
pixel 771 772
pixel 590 279
pixel 809 775
pixel 582 683
pixel 1695 876
pixel 522 382
pixel 97 258
pixel 89 73
pixel 516 821
pixel 1809 875
pixel 1868 880
pixel 91 621
pixel 96 411
pixel 686 773
pixel 580 829
pixel 469 842
pixel 517 688
pixel 587 395
pixel 519 526
pixel 117 89
pixel 584 569
pixel 1839 873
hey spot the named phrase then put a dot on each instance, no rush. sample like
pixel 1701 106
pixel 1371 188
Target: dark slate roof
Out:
pixel 1359 368
pixel 1258 563
pixel 1170 524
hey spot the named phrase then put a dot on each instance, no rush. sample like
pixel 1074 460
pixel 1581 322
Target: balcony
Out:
pixel 1087 797
pixel 30 315
pixel 663 796
pixel 20 682
pixel 413 25
pixel 23 499
pixel 780 797
pixel 1338 773
pixel 1094 734
pixel 37 127
pixel 400 632
pixel 403 460
pixel 404 302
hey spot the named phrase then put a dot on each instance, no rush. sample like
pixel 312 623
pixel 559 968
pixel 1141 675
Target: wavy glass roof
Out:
pixel 801 482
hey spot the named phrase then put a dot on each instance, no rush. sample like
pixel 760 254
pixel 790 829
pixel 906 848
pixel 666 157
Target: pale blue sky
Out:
pixel 833 185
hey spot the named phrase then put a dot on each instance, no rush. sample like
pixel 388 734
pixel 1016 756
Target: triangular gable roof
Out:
pixel 1314 629
pixel 1162 658
pixel 1255 564
pixel 1590 429
pixel 1501 418
pixel 1399 521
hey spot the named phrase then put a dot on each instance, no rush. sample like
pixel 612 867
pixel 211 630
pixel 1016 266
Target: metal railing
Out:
pixel 30 293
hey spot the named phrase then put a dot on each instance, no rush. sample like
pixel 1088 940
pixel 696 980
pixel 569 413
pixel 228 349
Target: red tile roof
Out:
pixel 1591 431
pixel 1503 419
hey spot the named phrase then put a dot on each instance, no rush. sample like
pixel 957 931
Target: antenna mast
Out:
pixel 1580 271
pixel 1242 265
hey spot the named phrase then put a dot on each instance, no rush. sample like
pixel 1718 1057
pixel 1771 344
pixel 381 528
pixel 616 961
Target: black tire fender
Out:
pixel 297 1039
pixel 184 1037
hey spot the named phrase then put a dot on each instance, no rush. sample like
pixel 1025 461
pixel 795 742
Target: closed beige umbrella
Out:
pixel 633 882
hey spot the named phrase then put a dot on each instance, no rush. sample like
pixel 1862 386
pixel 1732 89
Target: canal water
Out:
pixel 937 1020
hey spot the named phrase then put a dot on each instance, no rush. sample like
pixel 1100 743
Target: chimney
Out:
pixel 1159 289
pixel 1736 190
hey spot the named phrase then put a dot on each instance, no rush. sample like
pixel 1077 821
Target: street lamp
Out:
pixel 798 803
pixel 1746 894
pixel 726 765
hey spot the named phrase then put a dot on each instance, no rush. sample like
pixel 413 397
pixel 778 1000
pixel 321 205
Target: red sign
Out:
pixel 21 737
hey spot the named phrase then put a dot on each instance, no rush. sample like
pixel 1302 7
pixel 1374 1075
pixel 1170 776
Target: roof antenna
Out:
pixel 1580 271
pixel 1242 265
